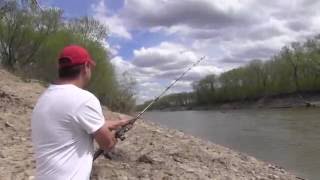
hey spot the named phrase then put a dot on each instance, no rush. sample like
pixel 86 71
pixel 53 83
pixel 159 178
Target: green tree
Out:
pixel 31 38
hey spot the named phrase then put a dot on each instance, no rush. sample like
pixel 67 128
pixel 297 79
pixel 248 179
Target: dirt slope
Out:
pixel 149 152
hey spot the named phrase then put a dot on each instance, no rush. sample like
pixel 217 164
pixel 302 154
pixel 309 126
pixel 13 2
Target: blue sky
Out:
pixel 76 8
pixel 140 38
pixel 146 37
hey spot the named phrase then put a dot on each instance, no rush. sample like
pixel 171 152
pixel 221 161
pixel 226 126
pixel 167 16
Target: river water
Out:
pixel 289 138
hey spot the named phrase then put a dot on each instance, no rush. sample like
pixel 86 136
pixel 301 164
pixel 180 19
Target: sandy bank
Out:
pixel 149 152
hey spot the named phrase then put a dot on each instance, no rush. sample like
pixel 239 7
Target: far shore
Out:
pixel 302 100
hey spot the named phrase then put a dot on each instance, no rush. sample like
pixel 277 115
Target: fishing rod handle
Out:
pixel 119 135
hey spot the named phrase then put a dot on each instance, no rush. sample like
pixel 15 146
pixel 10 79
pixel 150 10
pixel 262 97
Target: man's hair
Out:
pixel 69 72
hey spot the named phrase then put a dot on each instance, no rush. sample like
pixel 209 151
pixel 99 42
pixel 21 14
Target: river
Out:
pixel 289 138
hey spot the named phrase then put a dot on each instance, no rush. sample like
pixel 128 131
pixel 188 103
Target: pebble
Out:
pixel 271 176
pixel 145 159
pixel 7 124
pixel 2 155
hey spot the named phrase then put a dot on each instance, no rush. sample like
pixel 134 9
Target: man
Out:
pixel 65 120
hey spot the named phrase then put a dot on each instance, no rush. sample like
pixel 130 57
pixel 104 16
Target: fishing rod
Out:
pixel 121 131
pixel 36 3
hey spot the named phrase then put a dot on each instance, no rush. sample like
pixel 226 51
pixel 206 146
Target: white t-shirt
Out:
pixel 63 121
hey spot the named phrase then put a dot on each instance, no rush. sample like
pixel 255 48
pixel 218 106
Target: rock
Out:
pixel 7 124
pixel 145 159
pixel 2 155
pixel 271 167
pixel 177 159
pixel 271 176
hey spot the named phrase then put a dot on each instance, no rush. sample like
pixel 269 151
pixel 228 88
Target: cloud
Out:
pixel 229 32
pixel 224 22
pixel 193 13
pixel 165 56
pixel 115 24
pixel 168 60
pixel 155 67
pixel 113 51
pixel 121 66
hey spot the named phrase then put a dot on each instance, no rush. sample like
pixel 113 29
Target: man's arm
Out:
pixel 115 124
pixel 105 137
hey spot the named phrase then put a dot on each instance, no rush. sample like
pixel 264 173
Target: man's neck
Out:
pixel 76 82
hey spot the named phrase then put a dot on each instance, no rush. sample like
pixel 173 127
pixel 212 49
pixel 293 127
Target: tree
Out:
pixel 22 34
pixel 123 99
pixel 89 28
pixel 205 88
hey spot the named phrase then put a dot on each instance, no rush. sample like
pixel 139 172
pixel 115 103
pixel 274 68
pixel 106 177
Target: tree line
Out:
pixel 294 70
pixel 31 38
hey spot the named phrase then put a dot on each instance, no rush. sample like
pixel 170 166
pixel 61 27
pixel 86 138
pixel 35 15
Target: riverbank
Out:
pixel 294 100
pixel 149 152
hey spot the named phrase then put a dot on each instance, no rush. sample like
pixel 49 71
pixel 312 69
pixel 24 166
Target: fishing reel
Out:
pixel 120 133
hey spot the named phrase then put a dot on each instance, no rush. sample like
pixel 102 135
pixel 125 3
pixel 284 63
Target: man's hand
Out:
pixel 115 124
pixel 105 138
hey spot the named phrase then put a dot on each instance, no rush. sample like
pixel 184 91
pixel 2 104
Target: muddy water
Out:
pixel 289 138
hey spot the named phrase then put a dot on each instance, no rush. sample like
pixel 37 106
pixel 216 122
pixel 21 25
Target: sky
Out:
pixel 154 41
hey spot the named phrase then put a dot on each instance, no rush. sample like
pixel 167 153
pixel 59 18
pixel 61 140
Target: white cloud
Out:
pixel 168 60
pixel 112 50
pixel 164 56
pixel 121 65
pixel 113 22
pixel 155 67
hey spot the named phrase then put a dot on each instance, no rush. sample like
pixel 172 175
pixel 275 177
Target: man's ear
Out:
pixel 86 66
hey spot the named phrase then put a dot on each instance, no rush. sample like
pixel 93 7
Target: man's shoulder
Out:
pixel 73 93
pixel 86 95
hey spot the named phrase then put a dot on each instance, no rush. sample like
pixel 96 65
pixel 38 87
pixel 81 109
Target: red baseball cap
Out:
pixel 74 55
